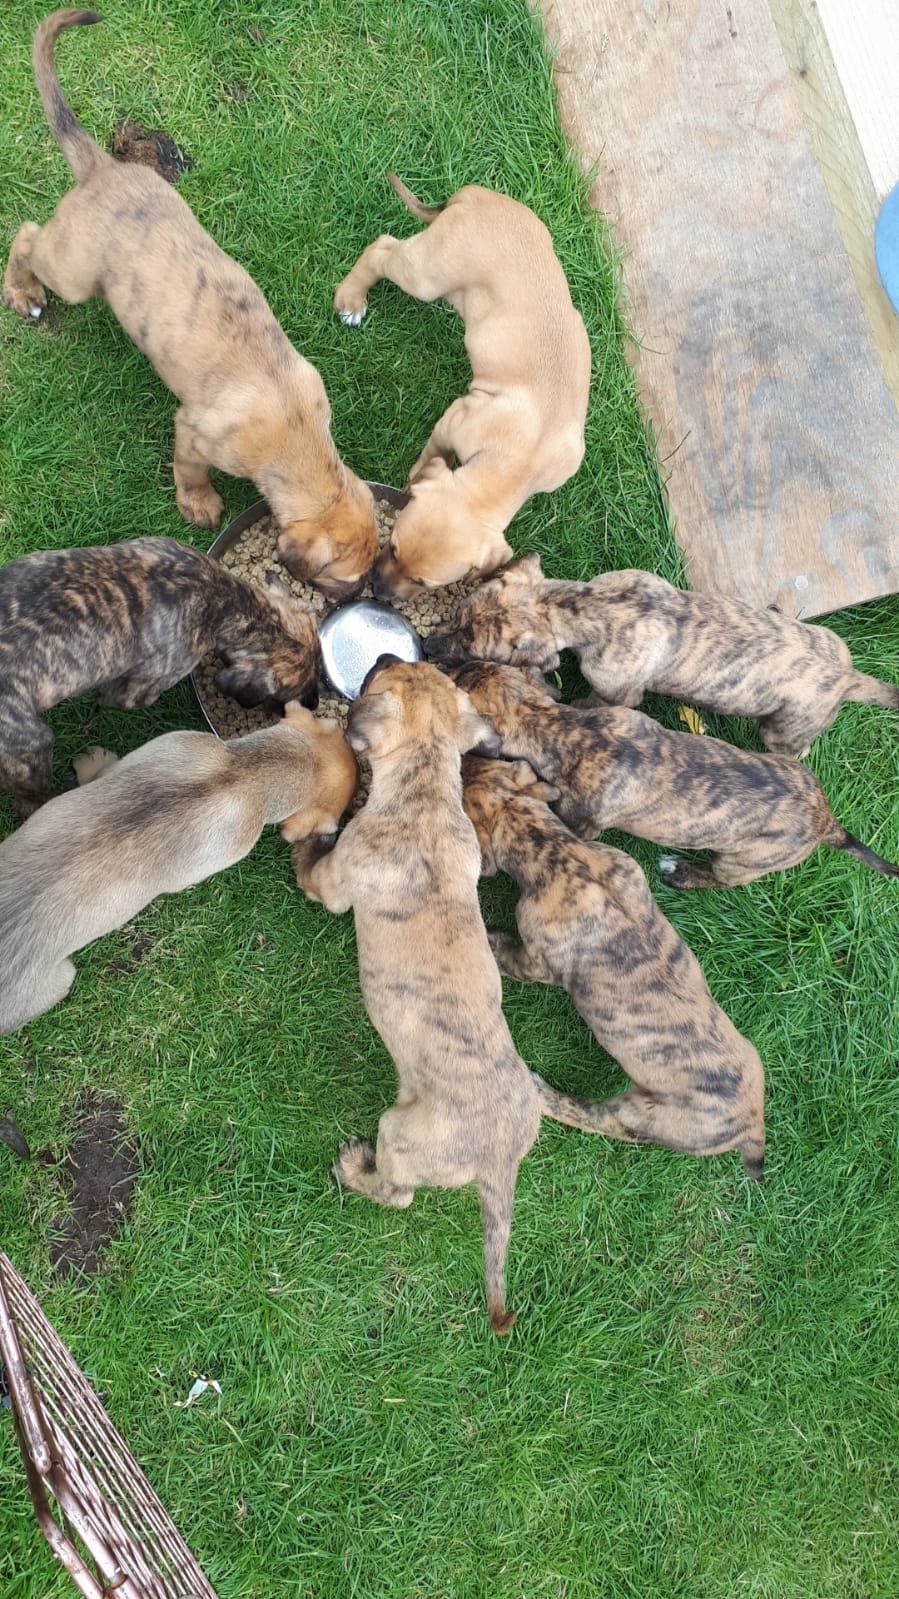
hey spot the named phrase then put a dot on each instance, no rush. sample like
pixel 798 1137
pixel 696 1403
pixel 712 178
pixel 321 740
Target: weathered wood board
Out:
pixel 776 426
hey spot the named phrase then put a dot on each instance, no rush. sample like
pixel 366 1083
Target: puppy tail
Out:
pixel 840 839
pixel 588 1115
pixel 425 213
pixel 864 690
pixel 76 145
pixel 497 1195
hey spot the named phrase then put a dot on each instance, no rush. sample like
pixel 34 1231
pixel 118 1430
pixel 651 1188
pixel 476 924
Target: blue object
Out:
pixel 886 246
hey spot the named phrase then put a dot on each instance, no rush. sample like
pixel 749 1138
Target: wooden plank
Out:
pixel 864 44
pixel 779 432
pixel 844 168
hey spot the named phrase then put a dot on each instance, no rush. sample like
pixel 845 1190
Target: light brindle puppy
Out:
pixel 615 767
pixel 589 924
pixel 131 620
pixel 519 430
pixel 407 865
pixel 167 816
pixel 250 404
pixel 635 633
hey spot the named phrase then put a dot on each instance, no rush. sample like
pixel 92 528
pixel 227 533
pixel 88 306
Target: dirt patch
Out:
pixel 129 960
pixel 11 1134
pixel 131 142
pixel 98 1174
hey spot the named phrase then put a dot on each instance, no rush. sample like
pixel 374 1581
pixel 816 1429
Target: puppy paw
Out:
pixel 202 507
pixel 351 310
pixel 357 1160
pixel 674 873
pixel 29 301
pixel 92 763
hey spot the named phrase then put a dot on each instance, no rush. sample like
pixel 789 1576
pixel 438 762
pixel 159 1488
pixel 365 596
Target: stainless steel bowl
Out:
pixel 354 636
pixel 230 535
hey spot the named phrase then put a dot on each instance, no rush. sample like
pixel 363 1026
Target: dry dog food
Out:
pixel 253 556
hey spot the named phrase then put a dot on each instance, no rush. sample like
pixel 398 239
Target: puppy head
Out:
pixel 502 621
pixel 435 541
pixel 403 704
pixel 334 550
pixel 492 789
pixel 284 665
pixel 497 691
pixel 336 776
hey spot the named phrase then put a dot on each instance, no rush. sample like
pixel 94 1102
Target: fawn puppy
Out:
pixel 131 620
pixel 520 428
pixel 589 924
pixel 614 767
pixel 633 632
pixel 250 404
pixel 407 865
pixel 165 817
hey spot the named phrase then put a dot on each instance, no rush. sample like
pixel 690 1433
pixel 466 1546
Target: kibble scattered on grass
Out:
pixel 253 556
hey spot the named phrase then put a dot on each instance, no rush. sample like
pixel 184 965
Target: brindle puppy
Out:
pixel 468 1109
pixel 616 768
pixel 589 923
pixel 633 632
pixel 167 816
pixel 250 404
pixel 131 620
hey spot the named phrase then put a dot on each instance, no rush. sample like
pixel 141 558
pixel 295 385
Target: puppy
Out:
pixel 616 768
pixel 520 428
pixel 589 923
pixel 131 620
pixel 250 404
pixel 167 816
pixel 633 632
pixel 468 1109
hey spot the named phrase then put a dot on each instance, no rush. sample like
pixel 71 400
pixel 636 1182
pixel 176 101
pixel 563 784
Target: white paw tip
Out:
pixel 353 319
pixel 36 311
pixel 667 863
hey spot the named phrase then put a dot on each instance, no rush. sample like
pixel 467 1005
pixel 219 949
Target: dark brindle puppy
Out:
pixel 408 864
pixel 250 404
pixel 633 632
pixel 131 620
pixel 589 923
pixel 615 767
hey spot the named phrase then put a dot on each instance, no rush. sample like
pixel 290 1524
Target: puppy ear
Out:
pixel 525 778
pixel 248 689
pixel 531 651
pixel 528 567
pixel 303 560
pixel 368 718
pixel 476 734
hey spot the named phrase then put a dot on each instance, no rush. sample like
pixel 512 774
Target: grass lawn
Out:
pixel 699 1397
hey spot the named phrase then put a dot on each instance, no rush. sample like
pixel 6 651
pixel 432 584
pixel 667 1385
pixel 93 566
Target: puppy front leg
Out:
pixel 514 960
pixel 196 499
pixel 322 877
pixel 22 291
pixel 26 768
pixel 377 1174
pixel 351 296
pixel 458 435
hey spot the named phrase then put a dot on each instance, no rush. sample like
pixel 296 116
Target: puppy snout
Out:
pixel 309 700
pixel 441 647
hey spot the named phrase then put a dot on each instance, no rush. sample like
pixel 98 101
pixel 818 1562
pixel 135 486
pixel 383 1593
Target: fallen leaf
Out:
pixel 692 718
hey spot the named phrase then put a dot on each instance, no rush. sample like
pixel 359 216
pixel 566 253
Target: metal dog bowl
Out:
pixel 355 635
pixel 350 636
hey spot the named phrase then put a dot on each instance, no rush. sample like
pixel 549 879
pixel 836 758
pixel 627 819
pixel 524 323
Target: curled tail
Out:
pixel 840 839
pixel 76 145
pixel 425 213
pixel 864 690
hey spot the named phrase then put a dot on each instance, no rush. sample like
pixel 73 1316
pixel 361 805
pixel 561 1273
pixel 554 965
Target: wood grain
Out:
pixel 776 425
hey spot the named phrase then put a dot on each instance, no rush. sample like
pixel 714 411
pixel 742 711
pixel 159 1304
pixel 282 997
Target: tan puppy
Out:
pixel 589 923
pixel 167 816
pixel 407 865
pixel 615 767
pixel 520 428
pixel 633 632
pixel 250 404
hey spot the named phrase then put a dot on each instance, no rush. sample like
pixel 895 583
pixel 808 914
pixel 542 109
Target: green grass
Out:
pixel 698 1399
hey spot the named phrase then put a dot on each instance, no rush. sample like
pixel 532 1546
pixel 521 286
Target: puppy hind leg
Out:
pixel 195 496
pixel 36 993
pixel 370 1173
pixel 22 291
pixel 409 263
pixel 514 960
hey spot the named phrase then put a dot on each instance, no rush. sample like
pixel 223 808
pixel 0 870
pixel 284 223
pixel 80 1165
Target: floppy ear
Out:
pixel 368 717
pixel 303 560
pixel 275 586
pixel 524 777
pixel 534 674
pixel 248 691
pixel 528 567
pixel 476 734
pixel 530 651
